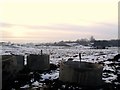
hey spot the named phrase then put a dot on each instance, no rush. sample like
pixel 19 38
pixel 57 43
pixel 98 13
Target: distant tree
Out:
pixel 92 39
pixel 83 41
pixel 78 40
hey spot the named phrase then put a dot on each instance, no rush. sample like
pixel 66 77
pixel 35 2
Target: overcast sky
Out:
pixel 51 20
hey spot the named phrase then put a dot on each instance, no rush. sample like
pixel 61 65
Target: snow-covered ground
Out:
pixel 58 53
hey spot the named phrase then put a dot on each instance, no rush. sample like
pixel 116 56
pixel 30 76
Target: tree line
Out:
pixel 92 42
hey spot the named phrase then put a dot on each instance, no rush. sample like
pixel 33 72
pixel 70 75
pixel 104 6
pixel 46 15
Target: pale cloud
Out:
pixel 59 32
pixel 62 20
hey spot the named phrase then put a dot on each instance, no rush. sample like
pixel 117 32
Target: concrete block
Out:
pixel 38 62
pixel 84 73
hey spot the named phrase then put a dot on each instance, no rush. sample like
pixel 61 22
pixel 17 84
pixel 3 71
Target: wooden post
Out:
pixel 80 56
pixel 41 52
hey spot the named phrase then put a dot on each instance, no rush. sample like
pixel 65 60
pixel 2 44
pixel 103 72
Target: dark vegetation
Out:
pixel 89 42
pixel 85 42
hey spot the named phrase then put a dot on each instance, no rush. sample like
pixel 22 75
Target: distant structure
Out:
pixel 38 62
pixel 83 73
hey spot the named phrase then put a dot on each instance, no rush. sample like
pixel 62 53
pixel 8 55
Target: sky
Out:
pixel 56 20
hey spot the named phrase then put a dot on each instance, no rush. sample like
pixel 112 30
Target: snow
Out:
pixel 26 86
pixel 111 78
pixel 59 53
pixel 106 67
pixel 51 76
pixel 37 84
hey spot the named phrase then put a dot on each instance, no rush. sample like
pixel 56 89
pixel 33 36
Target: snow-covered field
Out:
pixel 59 53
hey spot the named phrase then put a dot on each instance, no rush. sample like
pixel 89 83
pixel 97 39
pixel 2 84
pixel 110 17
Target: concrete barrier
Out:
pixel 38 62
pixel 9 65
pixel 86 74
pixel 20 62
